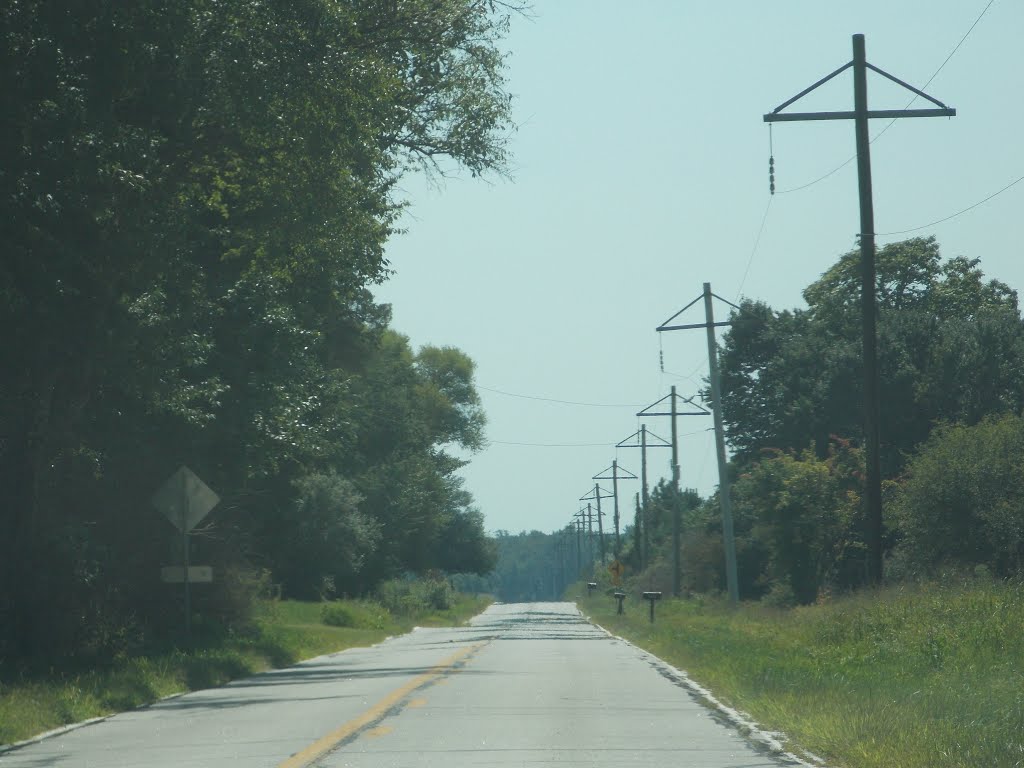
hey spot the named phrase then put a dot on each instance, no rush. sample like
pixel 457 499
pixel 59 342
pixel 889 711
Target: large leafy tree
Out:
pixel 951 346
pixel 195 196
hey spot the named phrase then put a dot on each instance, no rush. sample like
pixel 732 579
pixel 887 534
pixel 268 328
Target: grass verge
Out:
pixel 284 633
pixel 928 676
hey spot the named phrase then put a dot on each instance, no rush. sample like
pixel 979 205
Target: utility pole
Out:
pixel 677 569
pixel 596 495
pixel 639 439
pixel 578 525
pixel 615 475
pixel 590 536
pixel 869 310
pixel 638 532
pixel 724 497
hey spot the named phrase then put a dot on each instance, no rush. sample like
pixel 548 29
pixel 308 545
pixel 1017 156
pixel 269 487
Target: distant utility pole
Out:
pixel 617 473
pixel 724 490
pixel 677 568
pixel 578 525
pixel 869 311
pixel 596 495
pixel 638 532
pixel 639 439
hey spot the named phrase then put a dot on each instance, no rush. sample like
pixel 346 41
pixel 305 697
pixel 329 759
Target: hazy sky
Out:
pixel 641 171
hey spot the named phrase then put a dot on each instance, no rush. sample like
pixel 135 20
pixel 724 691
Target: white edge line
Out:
pixel 743 722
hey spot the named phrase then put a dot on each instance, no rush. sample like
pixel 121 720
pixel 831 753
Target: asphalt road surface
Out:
pixel 528 684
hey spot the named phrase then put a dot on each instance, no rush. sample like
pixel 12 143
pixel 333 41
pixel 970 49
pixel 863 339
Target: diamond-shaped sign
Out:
pixel 185 499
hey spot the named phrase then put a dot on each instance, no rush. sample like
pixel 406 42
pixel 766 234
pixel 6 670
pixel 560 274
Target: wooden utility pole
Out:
pixel 595 496
pixel 677 568
pixel 728 539
pixel 724 484
pixel 638 532
pixel 615 473
pixel 869 311
pixel 639 440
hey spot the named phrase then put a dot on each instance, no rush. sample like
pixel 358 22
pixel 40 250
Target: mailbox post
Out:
pixel 651 597
pixel 620 596
pixel 591 586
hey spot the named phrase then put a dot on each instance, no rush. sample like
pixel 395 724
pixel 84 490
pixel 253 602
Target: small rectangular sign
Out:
pixel 175 574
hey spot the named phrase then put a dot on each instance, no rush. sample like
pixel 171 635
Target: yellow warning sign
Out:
pixel 616 569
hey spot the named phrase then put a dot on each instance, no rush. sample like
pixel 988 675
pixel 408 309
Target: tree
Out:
pixel 962 500
pixel 806 512
pixel 951 346
pixel 195 198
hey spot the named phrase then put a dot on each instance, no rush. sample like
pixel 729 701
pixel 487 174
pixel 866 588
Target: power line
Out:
pixel 554 400
pixel 577 445
pixel 548 445
pixel 757 242
pixel 890 124
pixel 1018 180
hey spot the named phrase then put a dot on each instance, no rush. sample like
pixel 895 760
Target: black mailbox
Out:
pixel 591 586
pixel 650 597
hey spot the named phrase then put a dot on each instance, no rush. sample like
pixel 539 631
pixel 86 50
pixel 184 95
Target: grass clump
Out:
pixel 924 676
pixel 283 632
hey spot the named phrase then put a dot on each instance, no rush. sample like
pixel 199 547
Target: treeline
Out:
pixel 196 200
pixel 529 566
pixel 951 355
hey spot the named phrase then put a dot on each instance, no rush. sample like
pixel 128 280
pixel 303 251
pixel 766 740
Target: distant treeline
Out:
pixel 195 200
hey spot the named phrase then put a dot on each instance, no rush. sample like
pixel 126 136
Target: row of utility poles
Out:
pixel 866 235
pixel 675 407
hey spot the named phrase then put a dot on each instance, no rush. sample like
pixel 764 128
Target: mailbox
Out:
pixel 650 597
pixel 591 586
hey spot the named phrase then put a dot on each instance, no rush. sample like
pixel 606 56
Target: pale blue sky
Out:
pixel 640 172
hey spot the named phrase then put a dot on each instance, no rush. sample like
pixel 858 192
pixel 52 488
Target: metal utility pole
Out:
pixel 677 568
pixel 615 475
pixel 869 311
pixel 639 440
pixel 596 495
pixel 724 497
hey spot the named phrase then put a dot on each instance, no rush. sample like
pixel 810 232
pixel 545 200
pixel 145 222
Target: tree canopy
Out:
pixel 196 198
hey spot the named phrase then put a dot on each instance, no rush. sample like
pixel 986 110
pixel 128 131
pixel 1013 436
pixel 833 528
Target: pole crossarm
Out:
pixel 607 474
pixel 776 115
pixel 690 326
pixel 662 442
pixel 592 496
pixel 893 113
pixel 666 327
pixel 702 411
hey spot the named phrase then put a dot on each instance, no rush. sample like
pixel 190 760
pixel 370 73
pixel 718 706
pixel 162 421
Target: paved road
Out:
pixel 524 685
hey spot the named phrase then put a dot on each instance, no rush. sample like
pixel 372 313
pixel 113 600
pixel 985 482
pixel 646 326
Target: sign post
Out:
pixel 185 500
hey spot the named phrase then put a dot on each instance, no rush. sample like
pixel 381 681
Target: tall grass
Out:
pixel 924 676
pixel 284 632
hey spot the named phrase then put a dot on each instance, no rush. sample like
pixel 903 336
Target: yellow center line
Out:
pixel 326 743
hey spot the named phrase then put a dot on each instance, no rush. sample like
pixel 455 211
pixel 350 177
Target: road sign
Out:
pixel 616 569
pixel 185 499
pixel 175 574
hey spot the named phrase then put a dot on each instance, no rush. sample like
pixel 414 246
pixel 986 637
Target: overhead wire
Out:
pixel 757 242
pixel 555 400
pixel 1012 184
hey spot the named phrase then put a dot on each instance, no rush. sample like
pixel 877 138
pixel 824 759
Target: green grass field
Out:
pixel 285 632
pixel 927 676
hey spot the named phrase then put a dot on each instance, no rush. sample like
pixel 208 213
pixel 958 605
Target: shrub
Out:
pixel 963 498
